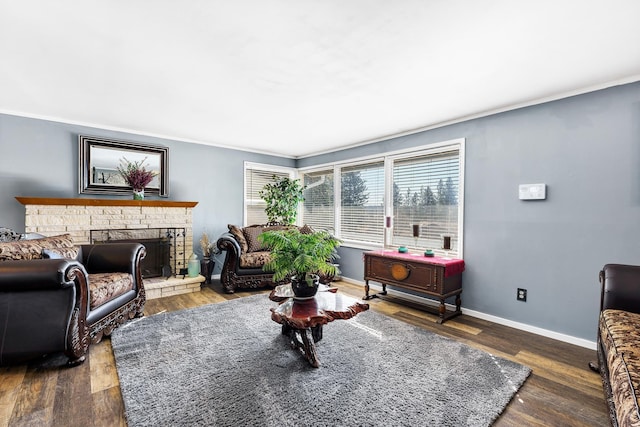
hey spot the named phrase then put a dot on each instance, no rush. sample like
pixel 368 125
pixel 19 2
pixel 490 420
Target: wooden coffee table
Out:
pixel 302 320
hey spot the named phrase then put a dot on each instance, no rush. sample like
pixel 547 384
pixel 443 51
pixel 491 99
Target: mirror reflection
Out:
pixel 105 163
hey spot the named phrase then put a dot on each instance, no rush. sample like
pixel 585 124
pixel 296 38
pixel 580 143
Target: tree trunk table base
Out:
pixel 302 321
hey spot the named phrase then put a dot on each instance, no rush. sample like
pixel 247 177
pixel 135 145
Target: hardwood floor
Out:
pixel 561 391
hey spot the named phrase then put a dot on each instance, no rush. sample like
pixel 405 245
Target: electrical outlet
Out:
pixel 521 295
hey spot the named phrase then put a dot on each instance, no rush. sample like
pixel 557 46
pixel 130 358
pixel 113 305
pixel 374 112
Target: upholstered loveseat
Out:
pixel 618 342
pixel 58 297
pixel 246 255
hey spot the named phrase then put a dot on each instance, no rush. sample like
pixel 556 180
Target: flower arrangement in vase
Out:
pixel 136 176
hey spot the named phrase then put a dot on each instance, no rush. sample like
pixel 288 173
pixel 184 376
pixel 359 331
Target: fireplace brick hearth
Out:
pixel 78 216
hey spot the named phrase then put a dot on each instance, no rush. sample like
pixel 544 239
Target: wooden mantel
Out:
pixel 103 202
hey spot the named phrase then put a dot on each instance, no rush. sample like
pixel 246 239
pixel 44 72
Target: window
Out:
pixel 420 190
pixel 425 201
pixel 318 206
pixel 255 178
pixel 362 203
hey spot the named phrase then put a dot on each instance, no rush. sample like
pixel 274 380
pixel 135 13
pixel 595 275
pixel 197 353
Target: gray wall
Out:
pixel 587 150
pixel 40 159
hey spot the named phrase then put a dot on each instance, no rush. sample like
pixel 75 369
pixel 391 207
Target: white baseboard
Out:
pixel 484 316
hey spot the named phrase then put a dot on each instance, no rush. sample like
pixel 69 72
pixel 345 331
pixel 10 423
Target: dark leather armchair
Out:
pixel 42 310
pixel 46 304
pixel 233 275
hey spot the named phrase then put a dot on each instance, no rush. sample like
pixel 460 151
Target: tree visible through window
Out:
pixel 362 203
pixel 424 217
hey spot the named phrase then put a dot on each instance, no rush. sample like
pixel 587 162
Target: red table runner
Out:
pixel 452 266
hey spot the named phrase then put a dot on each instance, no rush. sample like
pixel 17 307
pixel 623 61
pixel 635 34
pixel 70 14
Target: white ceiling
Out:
pixel 301 77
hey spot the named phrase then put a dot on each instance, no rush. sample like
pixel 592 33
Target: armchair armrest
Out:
pixel 39 274
pixel 620 287
pixel 227 242
pixel 112 257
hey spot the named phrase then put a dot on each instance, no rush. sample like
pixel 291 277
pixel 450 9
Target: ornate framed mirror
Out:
pixel 99 159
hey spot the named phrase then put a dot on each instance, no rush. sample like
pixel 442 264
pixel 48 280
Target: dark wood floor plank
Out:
pixel 35 402
pixel 10 386
pixel 70 405
pixel 108 408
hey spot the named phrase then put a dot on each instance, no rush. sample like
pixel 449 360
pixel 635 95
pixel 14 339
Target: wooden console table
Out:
pixel 433 276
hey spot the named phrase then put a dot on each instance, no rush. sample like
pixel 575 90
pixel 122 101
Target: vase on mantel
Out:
pixel 138 194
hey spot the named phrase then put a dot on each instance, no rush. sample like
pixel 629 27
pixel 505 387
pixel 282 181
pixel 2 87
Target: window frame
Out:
pixel 388 159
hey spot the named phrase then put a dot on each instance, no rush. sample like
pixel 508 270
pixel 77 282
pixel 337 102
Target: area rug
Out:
pixel 228 364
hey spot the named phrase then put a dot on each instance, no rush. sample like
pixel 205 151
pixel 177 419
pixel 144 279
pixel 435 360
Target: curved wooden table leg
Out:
pixel 309 347
pixel 304 340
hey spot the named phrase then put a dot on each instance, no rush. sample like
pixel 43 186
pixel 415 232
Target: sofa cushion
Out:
pixel 103 287
pixel 251 234
pixel 239 235
pixel 74 252
pixel 32 249
pixel 306 229
pixel 619 331
pixel 254 259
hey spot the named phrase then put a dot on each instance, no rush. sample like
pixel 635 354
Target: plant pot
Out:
pixel 304 289
pixel 206 269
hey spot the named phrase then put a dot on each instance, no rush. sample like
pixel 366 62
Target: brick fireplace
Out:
pixel 79 217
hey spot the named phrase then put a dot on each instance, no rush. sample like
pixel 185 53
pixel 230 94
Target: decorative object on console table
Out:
pixel 433 276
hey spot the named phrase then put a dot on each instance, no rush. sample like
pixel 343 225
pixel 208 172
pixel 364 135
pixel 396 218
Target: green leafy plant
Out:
pixel 301 255
pixel 282 197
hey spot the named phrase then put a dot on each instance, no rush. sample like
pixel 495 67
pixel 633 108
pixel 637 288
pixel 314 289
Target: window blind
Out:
pixel 362 203
pixel 425 201
pixel 254 180
pixel 318 204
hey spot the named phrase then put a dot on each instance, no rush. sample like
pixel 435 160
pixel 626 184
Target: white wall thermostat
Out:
pixel 533 191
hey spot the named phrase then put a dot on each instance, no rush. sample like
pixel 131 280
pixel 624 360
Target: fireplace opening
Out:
pixel 165 247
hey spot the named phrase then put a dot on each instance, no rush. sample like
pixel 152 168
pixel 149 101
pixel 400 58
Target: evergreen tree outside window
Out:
pixel 362 203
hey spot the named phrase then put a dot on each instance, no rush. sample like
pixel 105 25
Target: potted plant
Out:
pixel 136 176
pixel 282 197
pixel 302 257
